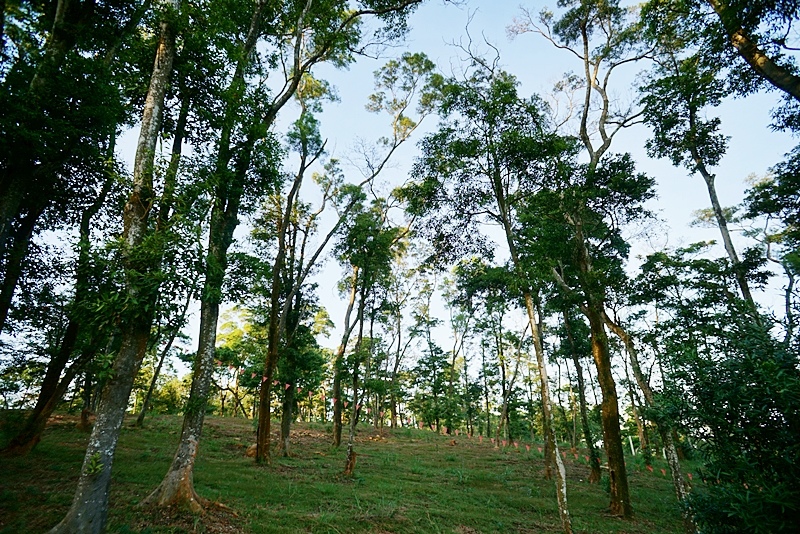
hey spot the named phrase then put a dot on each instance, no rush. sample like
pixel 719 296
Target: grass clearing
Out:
pixel 406 481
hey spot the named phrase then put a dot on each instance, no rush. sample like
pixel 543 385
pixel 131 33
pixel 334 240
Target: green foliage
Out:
pixel 748 412
pixel 95 466
pixel 674 100
pixel 778 199
pixel 707 28
pixel 732 387
pixel 431 404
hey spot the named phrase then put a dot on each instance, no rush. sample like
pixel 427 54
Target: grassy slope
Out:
pixel 406 481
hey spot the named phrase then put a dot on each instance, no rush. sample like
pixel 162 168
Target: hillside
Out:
pixel 405 481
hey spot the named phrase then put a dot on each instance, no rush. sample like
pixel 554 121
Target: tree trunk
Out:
pixel 722 223
pixel 594 456
pixel 89 508
pixel 337 362
pixel 350 463
pixel 170 183
pixel 547 416
pixel 780 77
pixel 151 389
pixel 11 195
pixel 486 392
pixel 177 487
pixel 609 409
pixel 15 259
pixel 287 415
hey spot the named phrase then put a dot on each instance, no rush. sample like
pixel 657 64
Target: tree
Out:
pixel 574 336
pixel 731 31
pixel 90 504
pixel 578 237
pixel 367 246
pixel 603 37
pixel 716 356
pixel 491 149
pixel 63 102
pixel 403 80
pixel 84 333
pixel 673 106
pixel 776 200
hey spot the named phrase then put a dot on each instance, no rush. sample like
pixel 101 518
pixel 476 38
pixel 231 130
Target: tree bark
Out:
pixel 162 221
pixel 15 259
pixel 350 463
pixel 89 508
pixel 287 414
pixel 177 487
pixel 547 416
pixel 722 223
pixel 778 76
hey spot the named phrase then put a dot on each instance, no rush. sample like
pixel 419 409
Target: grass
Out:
pixel 406 481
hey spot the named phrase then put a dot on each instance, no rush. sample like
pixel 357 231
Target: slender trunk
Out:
pixel 162 221
pixel 561 475
pixel 350 463
pixel 503 391
pixel 287 414
pixel 547 416
pixel 486 392
pixel 177 487
pixel 89 508
pixel 11 196
pixel 396 368
pixel 788 292
pixel 151 389
pixel 637 418
pixel 15 259
pixel 722 223
pixel 594 456
pixel 337 362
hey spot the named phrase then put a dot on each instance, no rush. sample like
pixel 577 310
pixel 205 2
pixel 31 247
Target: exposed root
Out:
pixel 177 491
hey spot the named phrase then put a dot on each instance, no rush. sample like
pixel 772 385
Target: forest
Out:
pixel 181 244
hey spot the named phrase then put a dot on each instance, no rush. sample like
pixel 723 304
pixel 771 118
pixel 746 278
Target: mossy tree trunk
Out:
pixel 89 508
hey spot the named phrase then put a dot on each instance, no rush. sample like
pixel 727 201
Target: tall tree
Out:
pixel 674 101
pixel 603 37
pixel 62 96
pixel 716 355
pixel 89 507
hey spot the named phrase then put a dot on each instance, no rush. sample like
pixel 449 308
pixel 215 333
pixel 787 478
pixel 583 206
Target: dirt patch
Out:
pixel 215 520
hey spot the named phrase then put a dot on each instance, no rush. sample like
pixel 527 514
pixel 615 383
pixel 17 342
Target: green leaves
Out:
pixel 674 100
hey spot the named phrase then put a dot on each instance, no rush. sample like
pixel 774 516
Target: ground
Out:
pixel 405 481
